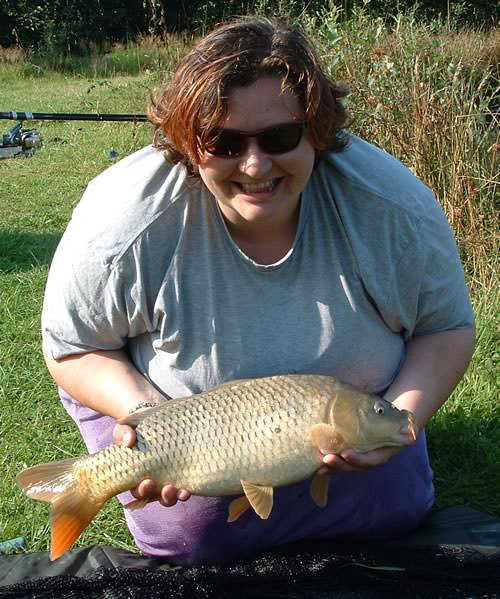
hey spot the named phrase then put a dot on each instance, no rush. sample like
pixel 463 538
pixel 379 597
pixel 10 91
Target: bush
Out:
pixel 69 25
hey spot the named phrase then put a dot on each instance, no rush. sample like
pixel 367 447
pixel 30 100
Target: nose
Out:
pixel 254 162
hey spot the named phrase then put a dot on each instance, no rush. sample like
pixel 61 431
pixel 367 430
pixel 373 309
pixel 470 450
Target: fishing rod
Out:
pixel 71 116
pixel 19 141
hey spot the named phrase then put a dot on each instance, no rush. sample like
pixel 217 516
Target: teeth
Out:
pixel 259 187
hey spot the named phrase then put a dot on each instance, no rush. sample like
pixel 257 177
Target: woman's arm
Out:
pixel 105 381
pixel 433 367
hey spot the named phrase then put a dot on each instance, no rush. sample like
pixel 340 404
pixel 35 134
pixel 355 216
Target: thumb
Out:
pixel 124 435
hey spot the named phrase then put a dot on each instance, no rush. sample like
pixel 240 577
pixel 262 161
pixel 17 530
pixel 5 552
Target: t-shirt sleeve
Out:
pixel 428 291
pixel 403 246
pixel 91 301
pixel 99 293
pixel 96 292
pixel 443 300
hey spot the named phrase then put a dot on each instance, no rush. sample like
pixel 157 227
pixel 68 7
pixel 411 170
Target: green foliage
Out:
pixel 430 97
pixel 479 12
pixel 193 13
pixel 70 25
pixel 37 196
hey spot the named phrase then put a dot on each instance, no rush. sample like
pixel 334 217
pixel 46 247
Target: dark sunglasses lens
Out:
pixel 275 140
pixel 279 140
pixel 226 143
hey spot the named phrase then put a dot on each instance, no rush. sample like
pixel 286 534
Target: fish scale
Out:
pixel 246 437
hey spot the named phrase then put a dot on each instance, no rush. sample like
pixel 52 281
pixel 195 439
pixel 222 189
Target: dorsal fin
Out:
pixel 137 417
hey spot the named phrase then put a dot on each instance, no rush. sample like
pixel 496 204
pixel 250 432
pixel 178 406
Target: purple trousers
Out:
pixel 383 502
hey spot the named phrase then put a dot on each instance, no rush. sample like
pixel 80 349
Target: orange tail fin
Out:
pixel 71 511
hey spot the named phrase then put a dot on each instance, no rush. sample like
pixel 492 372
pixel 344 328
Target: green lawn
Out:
pixel 37 196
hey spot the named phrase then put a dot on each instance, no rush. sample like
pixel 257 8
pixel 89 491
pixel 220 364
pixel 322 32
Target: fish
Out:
pixel 255 435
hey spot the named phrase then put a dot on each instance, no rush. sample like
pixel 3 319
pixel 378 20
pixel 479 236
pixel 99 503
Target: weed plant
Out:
pixel 423 92
pixel 431 97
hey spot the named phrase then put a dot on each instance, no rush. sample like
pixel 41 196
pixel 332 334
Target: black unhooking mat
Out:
pixel 455 554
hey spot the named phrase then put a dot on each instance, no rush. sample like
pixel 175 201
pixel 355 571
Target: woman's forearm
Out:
pixel 433 366
pixel 105 381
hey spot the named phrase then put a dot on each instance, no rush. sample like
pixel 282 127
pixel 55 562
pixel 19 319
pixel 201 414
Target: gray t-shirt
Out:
pixel 147 262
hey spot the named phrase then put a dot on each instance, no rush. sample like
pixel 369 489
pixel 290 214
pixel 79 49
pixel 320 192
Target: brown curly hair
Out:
pixel 237 53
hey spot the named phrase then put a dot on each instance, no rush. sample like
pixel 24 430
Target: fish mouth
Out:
pixel 409 428
pixel 412 426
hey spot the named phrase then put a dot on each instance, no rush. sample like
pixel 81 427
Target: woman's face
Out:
pixel 258 187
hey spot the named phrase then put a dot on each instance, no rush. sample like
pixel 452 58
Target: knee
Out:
pixel 399 521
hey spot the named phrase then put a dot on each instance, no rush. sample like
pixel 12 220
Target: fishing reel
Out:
pixel 24 142
pixel 20 142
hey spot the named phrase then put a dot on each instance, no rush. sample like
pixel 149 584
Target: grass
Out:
pixel 37 196
pixel 420 91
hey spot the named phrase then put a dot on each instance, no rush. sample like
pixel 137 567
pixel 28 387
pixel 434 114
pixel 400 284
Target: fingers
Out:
pixel 335 463
pixel 351 460
pixel 168 495
pixel 147 489
pixel 369 459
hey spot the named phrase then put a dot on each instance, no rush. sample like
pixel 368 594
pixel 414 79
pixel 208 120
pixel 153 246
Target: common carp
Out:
pixel 254 434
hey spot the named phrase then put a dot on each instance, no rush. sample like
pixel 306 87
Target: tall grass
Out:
pixel 149 55
pixel 421 91
pixel 432 99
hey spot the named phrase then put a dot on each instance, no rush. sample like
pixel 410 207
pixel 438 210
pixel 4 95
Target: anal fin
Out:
pixel 319 489
pixel 237 507
pixel 260 498
pixel 137 504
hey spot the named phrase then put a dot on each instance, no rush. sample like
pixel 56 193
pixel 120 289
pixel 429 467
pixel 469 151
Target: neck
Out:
pixel 265 243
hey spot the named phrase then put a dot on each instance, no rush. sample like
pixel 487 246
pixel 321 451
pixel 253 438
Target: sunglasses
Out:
pixel 228 143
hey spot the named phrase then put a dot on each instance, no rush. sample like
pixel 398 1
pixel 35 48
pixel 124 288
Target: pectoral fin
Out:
pixel 259 497
pixel 325 438
pixel 319 489
pixel 237 507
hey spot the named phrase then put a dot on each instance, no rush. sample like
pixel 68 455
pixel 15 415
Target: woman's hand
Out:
pixel 350 460
pixel 147 490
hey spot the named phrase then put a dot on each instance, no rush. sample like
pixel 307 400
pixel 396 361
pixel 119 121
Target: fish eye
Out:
pixel 378 407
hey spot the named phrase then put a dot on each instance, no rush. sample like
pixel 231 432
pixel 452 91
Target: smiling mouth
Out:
pixel 260 187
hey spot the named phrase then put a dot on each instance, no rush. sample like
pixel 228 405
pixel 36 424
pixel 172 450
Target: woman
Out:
pixel 255 238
